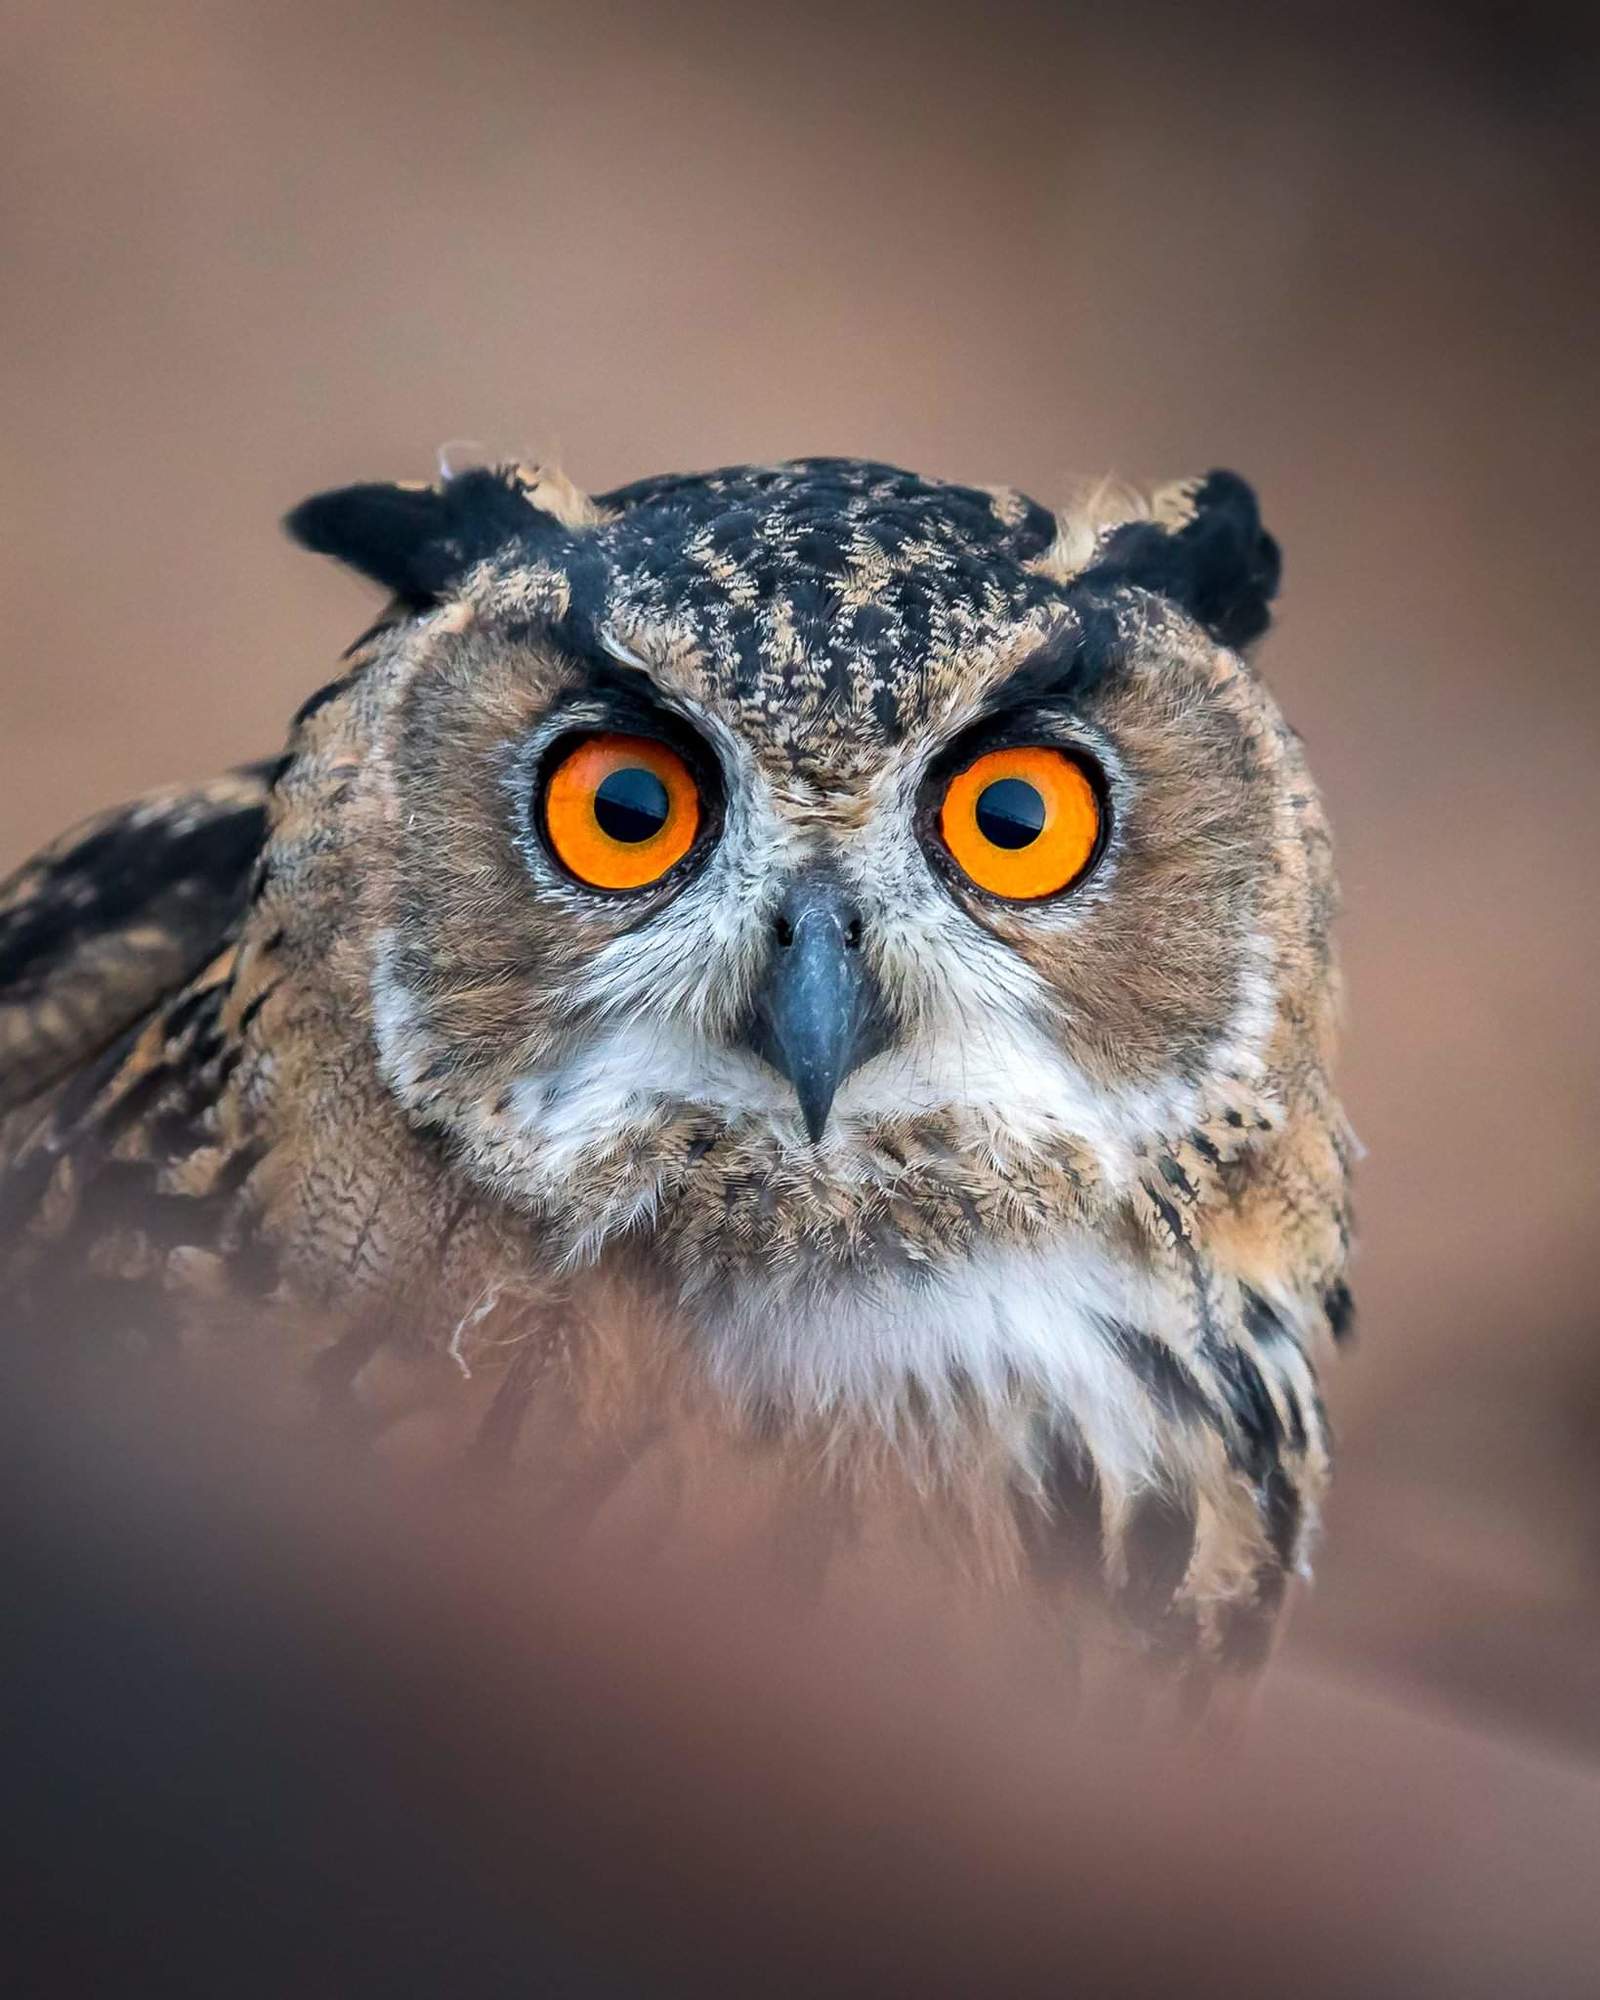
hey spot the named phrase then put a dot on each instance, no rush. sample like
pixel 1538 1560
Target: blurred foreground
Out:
pixel 281 1726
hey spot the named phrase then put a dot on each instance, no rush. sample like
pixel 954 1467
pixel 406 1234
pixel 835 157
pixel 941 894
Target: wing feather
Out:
pixel 117 915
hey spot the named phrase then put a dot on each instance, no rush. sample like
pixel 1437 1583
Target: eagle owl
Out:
pixel 811 954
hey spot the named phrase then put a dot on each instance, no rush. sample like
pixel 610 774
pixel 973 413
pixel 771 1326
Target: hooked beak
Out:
pixel 817 1015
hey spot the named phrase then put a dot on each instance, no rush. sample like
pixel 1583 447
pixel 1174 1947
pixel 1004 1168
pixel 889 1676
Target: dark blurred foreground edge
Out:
pixel 275 1727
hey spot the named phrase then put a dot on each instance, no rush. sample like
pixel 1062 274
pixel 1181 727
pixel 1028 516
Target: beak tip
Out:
pixel 814 1116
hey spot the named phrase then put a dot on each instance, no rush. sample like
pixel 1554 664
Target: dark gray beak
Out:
pixel 817 1015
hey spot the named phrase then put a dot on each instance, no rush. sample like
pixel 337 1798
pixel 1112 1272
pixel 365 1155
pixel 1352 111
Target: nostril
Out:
pixel 852 934
pixel 784 931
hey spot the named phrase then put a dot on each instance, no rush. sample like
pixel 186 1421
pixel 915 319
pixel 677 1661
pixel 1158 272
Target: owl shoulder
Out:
pixel 116 915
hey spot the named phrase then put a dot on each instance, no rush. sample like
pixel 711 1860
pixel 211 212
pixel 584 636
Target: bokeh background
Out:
pixel 251 250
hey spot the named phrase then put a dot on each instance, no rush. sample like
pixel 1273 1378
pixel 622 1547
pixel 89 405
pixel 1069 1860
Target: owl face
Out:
pixel 820 868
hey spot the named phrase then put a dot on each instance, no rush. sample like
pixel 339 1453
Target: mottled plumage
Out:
pixel 378 1085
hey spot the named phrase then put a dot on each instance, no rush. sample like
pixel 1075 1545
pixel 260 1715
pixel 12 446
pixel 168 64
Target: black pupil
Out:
pixel 1010 813
pixel 631 804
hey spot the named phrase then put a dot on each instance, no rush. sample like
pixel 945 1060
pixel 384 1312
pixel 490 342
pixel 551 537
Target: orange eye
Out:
pixel 1022 823
pixel 621 810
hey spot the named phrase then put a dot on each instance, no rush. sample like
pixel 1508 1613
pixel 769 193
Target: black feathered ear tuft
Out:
pixel 418 541
pixel 1211 556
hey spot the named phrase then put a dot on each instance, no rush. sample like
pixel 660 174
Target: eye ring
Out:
pixel 1024 822
pixel 620 812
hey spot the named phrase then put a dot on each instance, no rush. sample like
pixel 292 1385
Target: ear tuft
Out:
pixel 419 541
pixel 1207 551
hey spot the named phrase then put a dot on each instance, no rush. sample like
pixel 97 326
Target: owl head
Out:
pixel 818 868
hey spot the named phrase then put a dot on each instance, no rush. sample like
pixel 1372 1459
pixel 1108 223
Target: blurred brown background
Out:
pixel 251 250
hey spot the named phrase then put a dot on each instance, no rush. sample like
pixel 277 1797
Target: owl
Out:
pixel 814 956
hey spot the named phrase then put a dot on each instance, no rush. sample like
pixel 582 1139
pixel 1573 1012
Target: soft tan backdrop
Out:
pixel 252 250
